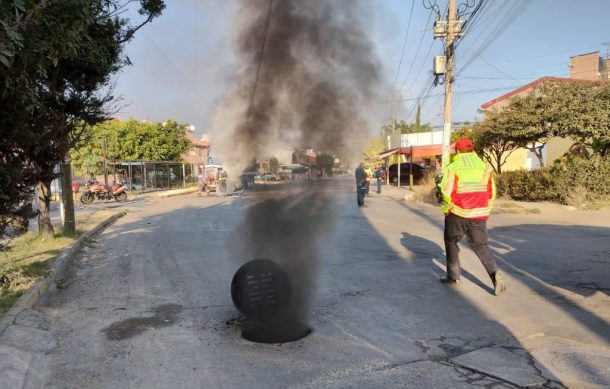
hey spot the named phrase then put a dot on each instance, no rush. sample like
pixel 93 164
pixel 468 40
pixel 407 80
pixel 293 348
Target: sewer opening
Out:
pixel 261 291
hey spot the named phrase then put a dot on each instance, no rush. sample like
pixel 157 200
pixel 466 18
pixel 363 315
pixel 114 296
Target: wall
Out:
pixel 421 139
pixel 585 67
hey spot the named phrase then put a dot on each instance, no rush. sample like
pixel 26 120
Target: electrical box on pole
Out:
pixel 440 29
pixel 440 65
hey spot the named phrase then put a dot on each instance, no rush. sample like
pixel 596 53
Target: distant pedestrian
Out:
pixel 360 184
pixel 468 190
pixel 201 181
pixel 369 176
pixel 379 181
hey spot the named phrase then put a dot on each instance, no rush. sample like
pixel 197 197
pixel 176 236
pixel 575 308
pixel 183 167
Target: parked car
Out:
pixel 418 172
pixel 270 177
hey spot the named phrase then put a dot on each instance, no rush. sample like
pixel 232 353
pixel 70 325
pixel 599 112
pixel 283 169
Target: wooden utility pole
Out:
pixel 449 53
pixel 105 149
pixel 399 140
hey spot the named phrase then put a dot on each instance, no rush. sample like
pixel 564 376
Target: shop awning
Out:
pixel 418 151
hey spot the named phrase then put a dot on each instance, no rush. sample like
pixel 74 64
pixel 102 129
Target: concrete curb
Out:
pixel 177 192
pixel 31 297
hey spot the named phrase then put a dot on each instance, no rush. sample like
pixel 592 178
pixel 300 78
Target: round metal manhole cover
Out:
pixel 594 369
pixel 260 289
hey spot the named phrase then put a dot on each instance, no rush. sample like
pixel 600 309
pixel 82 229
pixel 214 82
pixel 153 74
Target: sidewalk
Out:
pixel 391 191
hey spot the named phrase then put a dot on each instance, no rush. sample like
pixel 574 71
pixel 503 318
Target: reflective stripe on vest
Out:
pixel 471 213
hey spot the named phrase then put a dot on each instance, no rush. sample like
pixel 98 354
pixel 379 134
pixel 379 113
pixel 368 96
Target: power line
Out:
pixel 500 27
pixel 260 62
pixel 417 52
pixel 424 95
pixel 167 59
pixel 404 45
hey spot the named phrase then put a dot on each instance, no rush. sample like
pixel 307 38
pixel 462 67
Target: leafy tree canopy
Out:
pixel 56 62
pixel 373 148
pixel 129 141
pixel 578 110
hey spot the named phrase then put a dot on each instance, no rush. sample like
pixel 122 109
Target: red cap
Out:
pixel 464 144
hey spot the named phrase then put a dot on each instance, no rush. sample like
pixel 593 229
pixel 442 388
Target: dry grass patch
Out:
pixel 509 206
pixel 29 257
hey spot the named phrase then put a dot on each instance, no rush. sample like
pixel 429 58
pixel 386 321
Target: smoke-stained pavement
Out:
pixel 149 305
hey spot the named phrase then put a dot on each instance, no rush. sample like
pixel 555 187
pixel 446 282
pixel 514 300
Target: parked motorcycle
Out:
pixel 95 190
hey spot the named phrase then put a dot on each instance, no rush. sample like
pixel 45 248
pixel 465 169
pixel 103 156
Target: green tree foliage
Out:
pixel 129 141
pixel 559 181
pixel 578 110
pixel 56 58
pixel 325 162
pixel 274 165
pixel 488 142
pixel 373 148
pixel 404 127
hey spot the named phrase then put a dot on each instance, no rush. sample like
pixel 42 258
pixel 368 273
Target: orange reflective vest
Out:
pixel 468 188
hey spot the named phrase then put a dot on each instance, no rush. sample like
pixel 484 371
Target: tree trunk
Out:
pixel 498 158
pixel 538 153
pixel 45 227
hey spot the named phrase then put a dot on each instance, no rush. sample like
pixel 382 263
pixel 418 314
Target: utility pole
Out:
pixel 449 53
pixel 105 150
pixel 606 68
pixel 399 139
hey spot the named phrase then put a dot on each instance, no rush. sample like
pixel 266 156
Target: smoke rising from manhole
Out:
pixel 302 65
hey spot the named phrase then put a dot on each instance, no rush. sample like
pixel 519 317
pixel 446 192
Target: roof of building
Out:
pixel 418 151
pixel 522 89
pixel 582 55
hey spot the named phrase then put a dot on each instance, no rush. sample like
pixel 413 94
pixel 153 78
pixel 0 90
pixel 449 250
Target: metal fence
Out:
pixel 151 175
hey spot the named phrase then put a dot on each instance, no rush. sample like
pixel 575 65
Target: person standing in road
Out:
pixel 467 192
pixel 221 180
pixel 369 175
pixel 360 184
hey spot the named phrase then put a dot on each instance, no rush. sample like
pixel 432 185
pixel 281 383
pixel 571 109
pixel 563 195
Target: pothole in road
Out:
pixel 164 316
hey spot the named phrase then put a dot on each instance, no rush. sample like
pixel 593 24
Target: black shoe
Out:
pixel 449 282
pixel 498 280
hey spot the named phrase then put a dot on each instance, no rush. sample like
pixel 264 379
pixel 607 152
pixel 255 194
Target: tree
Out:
pixel 487 142
pixel 56 58
pixel 372 149
pixel 405 128
pixel 128 141
pixel 578 110
pixel 326 163
pixel 274 164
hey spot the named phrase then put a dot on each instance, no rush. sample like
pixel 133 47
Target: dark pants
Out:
pixel 476 232
pixel 378 186
pixel 360 191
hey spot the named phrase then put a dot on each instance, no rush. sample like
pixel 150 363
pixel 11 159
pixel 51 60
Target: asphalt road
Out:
pixel 148 304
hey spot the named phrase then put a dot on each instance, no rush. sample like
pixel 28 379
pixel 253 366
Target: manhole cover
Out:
pixel 260 289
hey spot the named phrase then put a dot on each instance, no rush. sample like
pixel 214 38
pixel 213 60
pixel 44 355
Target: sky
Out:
pixel 184 62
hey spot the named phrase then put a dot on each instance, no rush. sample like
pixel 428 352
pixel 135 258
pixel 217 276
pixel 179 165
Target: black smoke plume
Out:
pixel 304 63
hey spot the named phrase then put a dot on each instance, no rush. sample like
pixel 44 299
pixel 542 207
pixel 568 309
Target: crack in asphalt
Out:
pixel 477 377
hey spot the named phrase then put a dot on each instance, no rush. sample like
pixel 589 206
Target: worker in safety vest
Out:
pixel 221 179
pixel 468 190
pixel 369 177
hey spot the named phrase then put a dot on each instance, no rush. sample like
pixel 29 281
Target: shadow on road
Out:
pixel 573 258
pixel 373 309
